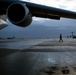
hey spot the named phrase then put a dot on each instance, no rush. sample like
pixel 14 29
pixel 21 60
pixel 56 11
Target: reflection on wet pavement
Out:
pixel 28 63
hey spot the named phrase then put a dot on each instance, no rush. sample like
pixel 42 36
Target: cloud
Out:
pixel 49 28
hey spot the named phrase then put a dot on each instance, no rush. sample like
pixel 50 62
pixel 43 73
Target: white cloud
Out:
pixel 68 4
pixel 40 20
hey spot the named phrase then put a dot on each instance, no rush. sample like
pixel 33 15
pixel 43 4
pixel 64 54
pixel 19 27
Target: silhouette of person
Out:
pixel 60 40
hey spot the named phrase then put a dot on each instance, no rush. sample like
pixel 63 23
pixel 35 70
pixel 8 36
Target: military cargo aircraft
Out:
pixel 20 13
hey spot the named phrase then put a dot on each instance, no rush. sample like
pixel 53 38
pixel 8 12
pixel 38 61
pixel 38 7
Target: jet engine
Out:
pixel 19 14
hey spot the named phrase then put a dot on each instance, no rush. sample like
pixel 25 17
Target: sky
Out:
pixel 45 28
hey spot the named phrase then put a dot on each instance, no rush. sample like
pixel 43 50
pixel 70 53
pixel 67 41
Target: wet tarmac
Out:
pixel 29 63
pixel 23 62
pixel 20 44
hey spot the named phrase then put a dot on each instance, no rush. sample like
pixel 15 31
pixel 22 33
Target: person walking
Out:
pixel 60 38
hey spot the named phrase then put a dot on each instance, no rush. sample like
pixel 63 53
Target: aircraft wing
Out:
pixel 49 12
pixel 20 13
pixel 3 24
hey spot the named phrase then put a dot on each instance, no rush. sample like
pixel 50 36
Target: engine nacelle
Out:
pixel 19 14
